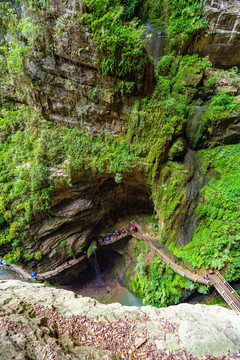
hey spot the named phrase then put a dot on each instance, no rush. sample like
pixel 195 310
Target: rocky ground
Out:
pixel 39 322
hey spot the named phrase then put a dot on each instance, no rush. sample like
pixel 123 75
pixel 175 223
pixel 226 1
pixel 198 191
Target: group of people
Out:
pixel 101 239
pixel 117 233
pixel 3 262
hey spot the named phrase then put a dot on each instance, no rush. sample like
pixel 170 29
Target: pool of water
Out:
pixel 7 274
pixel 107 291
pixel 125 297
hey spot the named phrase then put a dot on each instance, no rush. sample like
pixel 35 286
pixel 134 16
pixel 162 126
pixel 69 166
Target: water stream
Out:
pixel 125 297
pixel 98 278
pixel 155 36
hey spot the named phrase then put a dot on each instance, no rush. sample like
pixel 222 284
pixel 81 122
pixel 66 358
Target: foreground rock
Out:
pixel 39 322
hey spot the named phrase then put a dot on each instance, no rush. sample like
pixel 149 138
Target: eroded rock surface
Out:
pixel 50 319
pixel 221 42
pixel 79 212
pixel 63 77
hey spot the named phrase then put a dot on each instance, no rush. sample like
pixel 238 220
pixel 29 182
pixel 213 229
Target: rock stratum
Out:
pixel 39 322
pixel 143 142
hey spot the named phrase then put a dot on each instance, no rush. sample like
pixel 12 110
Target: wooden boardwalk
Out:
pixel 227 292
pixel 216 280
pixel 48 274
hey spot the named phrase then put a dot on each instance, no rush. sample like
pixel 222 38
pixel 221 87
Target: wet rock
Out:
pixel 221 41
pixel 191 76
pixel 202 134
pixel 65 83
pixel 178 149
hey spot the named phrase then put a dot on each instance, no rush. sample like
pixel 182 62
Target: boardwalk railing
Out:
pixel 235 294
pixel 47 274
pixel 165 258
pixel 218 281
pixel 233 304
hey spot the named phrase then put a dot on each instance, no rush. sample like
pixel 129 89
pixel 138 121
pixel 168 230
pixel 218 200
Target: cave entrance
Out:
pixel 110 288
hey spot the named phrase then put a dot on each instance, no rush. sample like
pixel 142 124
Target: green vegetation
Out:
pixel 120 43
pixel 156 284
pixel 154 281
pixel 184 19
pixel 219 107
pixel 15 52
pixel 31 152
pixel 170 196
pixel 215 242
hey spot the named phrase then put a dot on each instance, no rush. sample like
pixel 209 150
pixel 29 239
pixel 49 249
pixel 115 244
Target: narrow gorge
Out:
pixel 117 113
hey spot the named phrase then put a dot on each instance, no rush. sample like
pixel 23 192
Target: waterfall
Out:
pixel 98 278
pixel 234 31
pixel 155 41
pixel 219 17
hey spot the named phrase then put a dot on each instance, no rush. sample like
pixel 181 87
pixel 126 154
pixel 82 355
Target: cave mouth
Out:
pixel 110 287
pixel 80 214
pixel 130 197
pixel 81 278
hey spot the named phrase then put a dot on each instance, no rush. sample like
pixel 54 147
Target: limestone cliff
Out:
pixel 62 76
pixel 161 139
pixel 221 40
pixel 38 322
pixel 80 212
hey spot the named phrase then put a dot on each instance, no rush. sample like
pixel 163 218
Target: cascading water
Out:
pixel 155 41
pixel 98 278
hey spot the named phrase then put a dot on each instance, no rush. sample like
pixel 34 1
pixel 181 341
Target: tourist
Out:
pixel 133 228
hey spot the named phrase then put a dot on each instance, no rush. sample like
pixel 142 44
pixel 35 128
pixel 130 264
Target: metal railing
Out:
pixel 230 288
pixel 227 298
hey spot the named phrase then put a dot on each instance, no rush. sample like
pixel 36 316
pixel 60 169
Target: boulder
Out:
pixel 37 319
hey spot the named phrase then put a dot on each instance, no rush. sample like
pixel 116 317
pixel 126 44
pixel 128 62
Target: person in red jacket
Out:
pixel 133 228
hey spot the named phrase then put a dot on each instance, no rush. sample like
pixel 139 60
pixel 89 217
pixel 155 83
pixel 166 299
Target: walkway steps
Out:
pixel 165 258
pixel 227 292
pixel 48 274
pixel 221 285
pixel 216 280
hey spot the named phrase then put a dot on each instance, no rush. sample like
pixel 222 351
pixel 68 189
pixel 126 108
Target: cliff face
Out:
pixel 222 39
pixel 64 81
pixel 38 320
pixel 79 213
pixel 193 108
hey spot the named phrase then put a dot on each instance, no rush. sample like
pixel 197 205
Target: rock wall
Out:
pixel 221 42
pixel 80 212
pixel 36 319
pixel 64 81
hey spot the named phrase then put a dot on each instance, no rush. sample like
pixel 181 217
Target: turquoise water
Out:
pixel 125 297
pixel 121 295
pixel 7 274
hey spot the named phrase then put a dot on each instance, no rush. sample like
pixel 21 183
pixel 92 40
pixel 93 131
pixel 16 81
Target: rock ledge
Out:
pixel 32 316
